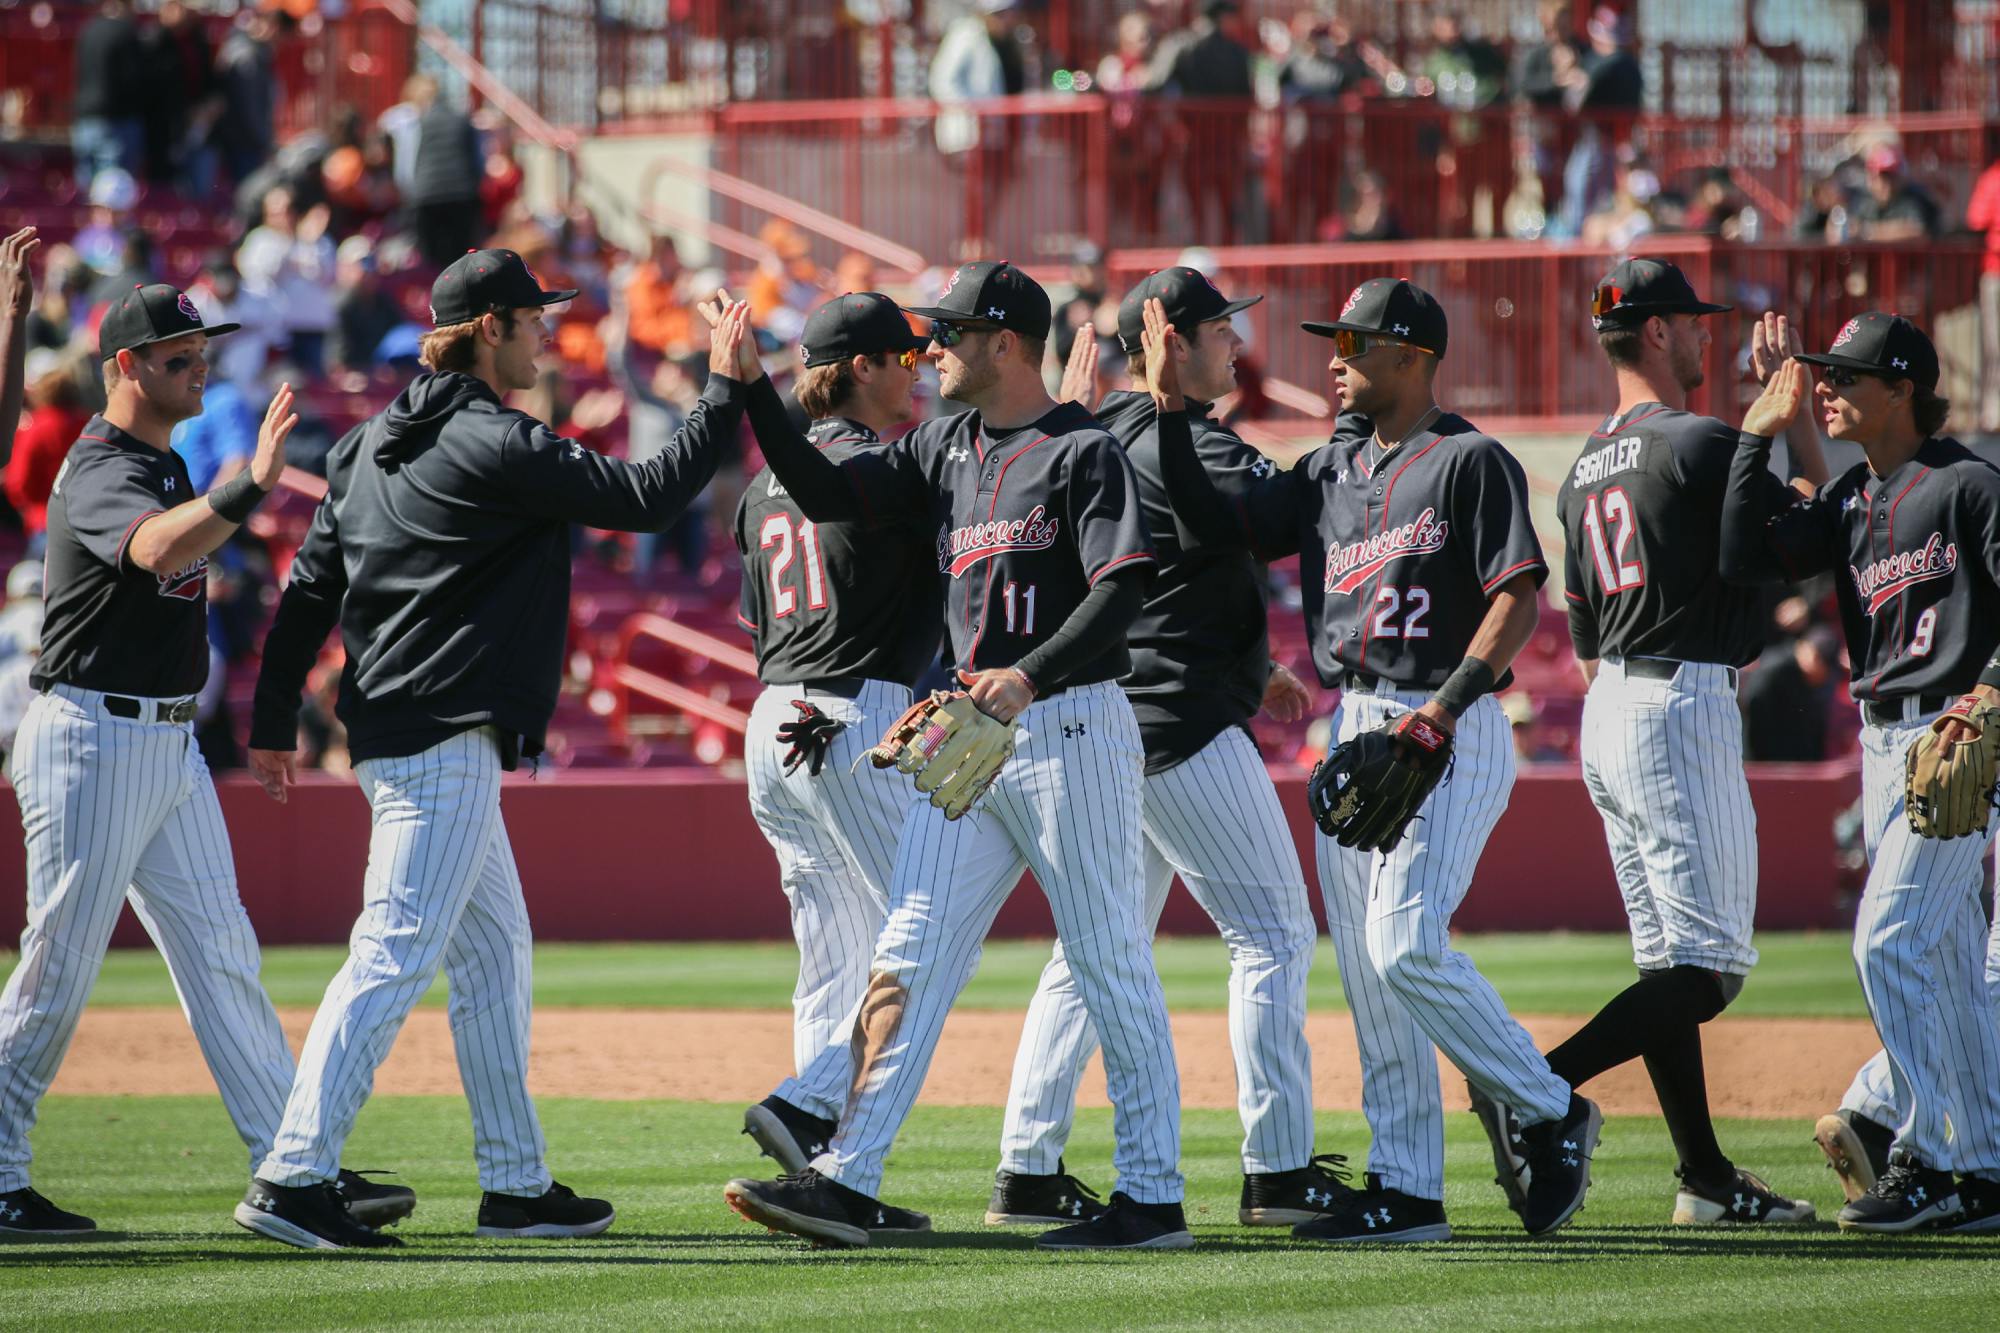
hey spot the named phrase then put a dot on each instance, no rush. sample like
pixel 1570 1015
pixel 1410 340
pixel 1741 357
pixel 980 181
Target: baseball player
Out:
pixel 1419 566
pixel 1916 529
pixel 1201 668
pixel 1045 558
pixel 1659 637
pixel 442 551
pixel 845 620
pixel 116 800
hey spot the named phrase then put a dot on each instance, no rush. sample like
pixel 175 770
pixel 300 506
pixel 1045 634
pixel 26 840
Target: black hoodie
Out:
pixel 442 551
pixel 1200 651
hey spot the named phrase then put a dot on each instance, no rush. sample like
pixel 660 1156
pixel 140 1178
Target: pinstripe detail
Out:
pixel 1929 964
pixel 1663 761
pixel 835 836
pixel 115 809
pixel 441 891
pixel 1066 808
pixel 1215 819
pixel 1390 918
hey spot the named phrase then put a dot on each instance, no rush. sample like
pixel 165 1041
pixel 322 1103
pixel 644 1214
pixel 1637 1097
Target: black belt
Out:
pixel 175 711
pixel 1889 712
pixel 1663 668
pixel 1367 684
pixel 840 687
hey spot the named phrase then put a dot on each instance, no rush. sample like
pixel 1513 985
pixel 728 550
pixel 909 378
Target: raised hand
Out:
pixel 1162 361
pixel 268 463
pixel 17 284
pixel 1079 381
pixel 1772 339
pixel 1778 406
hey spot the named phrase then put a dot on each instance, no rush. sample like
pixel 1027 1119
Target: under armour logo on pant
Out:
pixel 1071 730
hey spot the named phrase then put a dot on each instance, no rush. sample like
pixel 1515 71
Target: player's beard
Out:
pixel 1687 366
pixel 969 380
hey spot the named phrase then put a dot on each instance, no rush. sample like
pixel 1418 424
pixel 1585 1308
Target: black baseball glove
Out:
pixel 1366 792
pixel 809 735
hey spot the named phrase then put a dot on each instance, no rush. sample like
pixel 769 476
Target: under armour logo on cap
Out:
pixel 1899 363
pixel 1402 329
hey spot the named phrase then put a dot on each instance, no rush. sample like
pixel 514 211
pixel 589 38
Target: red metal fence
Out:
pixel 1521 341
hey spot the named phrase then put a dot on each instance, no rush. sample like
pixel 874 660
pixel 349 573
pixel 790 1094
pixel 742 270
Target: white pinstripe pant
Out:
pixel 1215 819
pixel 835 836
pixel 1664 764
pixel 1930 969
pixel 441 890
pixel 1390 918
pixel 114 809
pixel 1066 807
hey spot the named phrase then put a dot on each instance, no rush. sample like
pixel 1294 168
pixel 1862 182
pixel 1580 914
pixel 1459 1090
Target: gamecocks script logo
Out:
pixel 959 549
pixel 1350 566
pixel 1353 300
pixel 1847 332
pixel 1893 575
pixel 187 582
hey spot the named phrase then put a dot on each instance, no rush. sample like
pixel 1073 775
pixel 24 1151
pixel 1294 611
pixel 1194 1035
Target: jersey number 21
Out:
pixel 777 531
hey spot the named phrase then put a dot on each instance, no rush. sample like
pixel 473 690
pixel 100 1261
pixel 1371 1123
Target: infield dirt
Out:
pixel 1759 1068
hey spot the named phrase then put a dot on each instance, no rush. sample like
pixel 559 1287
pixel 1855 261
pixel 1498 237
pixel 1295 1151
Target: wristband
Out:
pixel 237 498
pixel 1472 679
pixel 1022 676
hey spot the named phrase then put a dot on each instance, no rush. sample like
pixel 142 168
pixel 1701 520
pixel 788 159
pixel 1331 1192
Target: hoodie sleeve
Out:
pixel 307 613
pixel 561 479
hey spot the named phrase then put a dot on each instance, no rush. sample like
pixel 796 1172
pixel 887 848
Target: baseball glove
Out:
pixel 809 735
pixel 1948 789
pixel 1366 792
pixel 954 749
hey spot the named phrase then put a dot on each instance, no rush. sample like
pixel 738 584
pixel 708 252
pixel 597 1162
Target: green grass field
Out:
pixel 1800 975
pixel 161 1174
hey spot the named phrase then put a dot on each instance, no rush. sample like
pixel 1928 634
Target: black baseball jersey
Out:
pixel 835 599
pixel 107 624
pixel 1917 554
pixel 1200 647
pixel 1025 522
pixel 1642 523
pixel 1400 552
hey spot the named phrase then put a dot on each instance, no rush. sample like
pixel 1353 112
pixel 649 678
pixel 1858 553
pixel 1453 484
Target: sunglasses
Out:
pixel 947 334
pixel 907 358
pixel 1605 299
pixel 1845 377
pixel 1349 345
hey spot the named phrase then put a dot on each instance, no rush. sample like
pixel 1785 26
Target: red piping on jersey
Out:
pixel 1574 598
pixel 99 438
pixel 1388 494
pixel 986 593
pixel 1110 565
pixel 131 528
pixel 746 622
pixel 1902 602
pixel 1506 574
pixel 1607 434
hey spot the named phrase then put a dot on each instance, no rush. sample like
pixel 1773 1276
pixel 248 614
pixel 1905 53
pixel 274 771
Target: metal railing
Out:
pixel 624 680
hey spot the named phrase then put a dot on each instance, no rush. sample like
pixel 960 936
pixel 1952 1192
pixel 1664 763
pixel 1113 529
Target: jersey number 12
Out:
pixel 1613 529
pixel 777 531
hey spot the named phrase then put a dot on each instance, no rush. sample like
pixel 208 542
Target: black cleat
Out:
pixel 1856 1148
pixel 374 1205
pixel 23 1212
pixel 1978 1207
pixel 1287 1198
pixel 1510 1151
pixel 1125 1225
pixel 889 1220
pixel 311 1217
pixel 811 1205
pixel 1025 1200
pixel 555 1215
pixel 1908 1196
pixel 1377 1216
pixel 786 1134
pixel 1745 1201
pixel 1559 1165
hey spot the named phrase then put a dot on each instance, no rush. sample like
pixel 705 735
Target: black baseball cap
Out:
pixel 1882 344
pixel 857 324
pixel 1189 297
pixel 1392 307
pixel 482 281
pixel 991 292
pixel 1640 288
pixel 147 315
